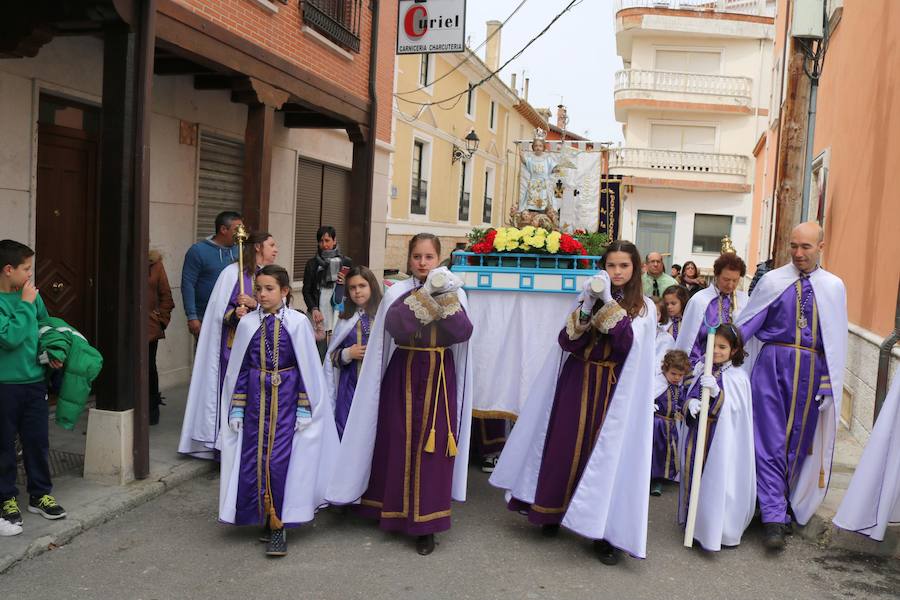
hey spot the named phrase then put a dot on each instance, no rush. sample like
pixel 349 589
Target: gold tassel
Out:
pixel 429 445
pixel 821 478
pixel 451 444
pixel 274 521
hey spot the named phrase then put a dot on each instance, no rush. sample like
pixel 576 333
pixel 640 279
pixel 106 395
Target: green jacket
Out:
pixel 81 365
pixel 19 338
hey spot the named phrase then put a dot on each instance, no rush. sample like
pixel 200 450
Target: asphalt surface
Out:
pixel 172 547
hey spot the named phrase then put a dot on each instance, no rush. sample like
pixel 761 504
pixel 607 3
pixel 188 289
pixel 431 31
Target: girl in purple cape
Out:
pixel 344 358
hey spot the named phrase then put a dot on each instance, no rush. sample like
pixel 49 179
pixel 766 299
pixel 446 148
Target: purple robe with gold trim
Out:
pixel 665 432
pixel 409 488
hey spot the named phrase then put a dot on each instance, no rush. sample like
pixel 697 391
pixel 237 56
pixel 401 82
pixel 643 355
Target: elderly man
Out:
pixel 202 264
pixel 796 326
pixel 719 303
pixel 655 280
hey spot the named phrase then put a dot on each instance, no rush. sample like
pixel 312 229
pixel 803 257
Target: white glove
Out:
pixel 708 381
pixel 656 408
pixel 694 407
pixel 236 425
pixel 587 305
pixel 441 281
pixel 824 401
pixel 302 423
pixel 600 281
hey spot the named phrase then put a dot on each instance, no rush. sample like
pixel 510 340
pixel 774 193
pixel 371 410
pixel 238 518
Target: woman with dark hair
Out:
pixel 690 278
pixel 274 470
pixel 579 455
pixel 412 408
pixel 344 358
pixel 200 428
pixel 727 496
pixel 324 272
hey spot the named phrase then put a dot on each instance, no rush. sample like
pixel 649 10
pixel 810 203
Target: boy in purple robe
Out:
pixel 798 317
pixel 345 355
pixel 667 412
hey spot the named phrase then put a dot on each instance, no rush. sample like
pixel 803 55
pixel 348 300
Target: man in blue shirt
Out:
pixel 202 264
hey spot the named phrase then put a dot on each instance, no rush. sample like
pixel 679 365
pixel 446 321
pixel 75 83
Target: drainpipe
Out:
pixel 810 138
pixel 373 122
pixel 884 361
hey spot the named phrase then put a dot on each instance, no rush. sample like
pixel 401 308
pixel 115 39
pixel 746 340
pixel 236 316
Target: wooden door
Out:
pixel 65 266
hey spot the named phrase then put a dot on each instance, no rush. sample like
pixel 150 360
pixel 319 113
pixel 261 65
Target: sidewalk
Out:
pixel 822 531
pixel 89 504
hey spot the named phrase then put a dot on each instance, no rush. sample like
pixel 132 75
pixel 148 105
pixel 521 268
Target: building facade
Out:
pixel 692 100
pixel 434 186
pixel 280 110
pixel 852 193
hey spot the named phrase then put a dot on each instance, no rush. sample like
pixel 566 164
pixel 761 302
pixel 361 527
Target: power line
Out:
pixel 503 66
pixel 468 57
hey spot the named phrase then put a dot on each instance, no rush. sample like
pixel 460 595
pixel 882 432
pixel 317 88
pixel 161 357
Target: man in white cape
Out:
pixel 795 329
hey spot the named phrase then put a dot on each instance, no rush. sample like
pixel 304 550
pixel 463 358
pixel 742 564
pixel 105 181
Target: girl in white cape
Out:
pixel 728 483
pixel 201 425
pixel 344 358
pixel 579 454
pixel 404 452
pixel 280 442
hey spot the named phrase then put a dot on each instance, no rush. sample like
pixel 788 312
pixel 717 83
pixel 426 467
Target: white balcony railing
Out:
pixel 685 83
pixel 679 162
pixel 761 8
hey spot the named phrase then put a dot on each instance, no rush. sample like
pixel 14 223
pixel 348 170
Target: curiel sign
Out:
pixel 431 26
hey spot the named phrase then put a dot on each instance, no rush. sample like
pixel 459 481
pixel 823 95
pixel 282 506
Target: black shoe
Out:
pixel 266 535
pixel 606 553
pixel 656 487
pixel 773 536
pixel 549 530
pixel 277 545
pixel 9 510
pixel 46 506
pixel 425 544
pixel 154 415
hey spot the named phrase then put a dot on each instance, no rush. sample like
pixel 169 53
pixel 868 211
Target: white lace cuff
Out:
pixel 608 317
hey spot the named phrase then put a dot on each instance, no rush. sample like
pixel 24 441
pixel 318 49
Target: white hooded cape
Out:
pixel 200 428
pixel 728 485
pixel 611 499
pixel 873 499
pixel 358 443
pixel 664 343
pixel 696 310
pixel 343 328
pixel 831 300
pixel 314 447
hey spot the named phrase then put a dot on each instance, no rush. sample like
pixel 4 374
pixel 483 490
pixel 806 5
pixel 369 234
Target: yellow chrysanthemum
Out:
pixel 553 242
pixel 513 234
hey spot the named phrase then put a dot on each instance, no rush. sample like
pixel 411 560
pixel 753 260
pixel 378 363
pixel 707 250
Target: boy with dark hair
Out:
pixel 23 390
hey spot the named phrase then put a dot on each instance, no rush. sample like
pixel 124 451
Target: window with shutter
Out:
pixel 220 183
pixel 323 198
pixel 689 61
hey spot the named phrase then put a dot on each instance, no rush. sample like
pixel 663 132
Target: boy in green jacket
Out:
pixel 23 389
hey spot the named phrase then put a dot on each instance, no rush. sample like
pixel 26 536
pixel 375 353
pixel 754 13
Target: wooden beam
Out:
pixel 171 65
pixel 213 82
pixel 258 165
pixel 294 120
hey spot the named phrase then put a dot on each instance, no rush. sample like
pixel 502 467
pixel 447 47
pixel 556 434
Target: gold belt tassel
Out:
pixel 430 443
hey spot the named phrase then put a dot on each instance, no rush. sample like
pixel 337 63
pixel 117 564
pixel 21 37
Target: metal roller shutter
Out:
pixel 221 181
pixel 336 202
pixel 309 213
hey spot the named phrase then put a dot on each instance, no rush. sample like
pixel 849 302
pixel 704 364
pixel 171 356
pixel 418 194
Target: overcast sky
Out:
pixel 576 59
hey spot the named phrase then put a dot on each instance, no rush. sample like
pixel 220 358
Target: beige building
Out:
pixel 435 185
pixel 692 99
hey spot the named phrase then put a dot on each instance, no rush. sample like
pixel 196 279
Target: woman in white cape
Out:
pixel 579 454
pixel 404 451
pixel 201 425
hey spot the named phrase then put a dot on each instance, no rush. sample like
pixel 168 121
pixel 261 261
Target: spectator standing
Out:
pixel 159 305
pixel 655 280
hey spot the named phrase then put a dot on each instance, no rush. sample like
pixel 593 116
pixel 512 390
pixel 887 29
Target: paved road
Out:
pixel 173 548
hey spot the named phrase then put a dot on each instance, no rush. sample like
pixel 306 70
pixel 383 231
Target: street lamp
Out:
pixel 471 147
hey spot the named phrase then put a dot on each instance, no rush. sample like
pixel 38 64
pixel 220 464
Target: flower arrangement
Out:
pixel 595 243
pixel 529 240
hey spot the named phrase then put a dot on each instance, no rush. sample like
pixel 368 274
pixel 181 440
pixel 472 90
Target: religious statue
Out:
pixel 538 204
pixel 728 246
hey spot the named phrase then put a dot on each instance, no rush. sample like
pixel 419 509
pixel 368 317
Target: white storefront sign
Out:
pixel 431 26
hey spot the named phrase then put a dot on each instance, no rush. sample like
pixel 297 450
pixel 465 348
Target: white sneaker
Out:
pixel 9 529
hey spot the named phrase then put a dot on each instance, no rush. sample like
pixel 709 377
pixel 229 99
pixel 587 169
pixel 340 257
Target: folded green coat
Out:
pixel 81 365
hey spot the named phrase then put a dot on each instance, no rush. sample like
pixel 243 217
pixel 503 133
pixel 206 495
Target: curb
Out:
pixel 138 493
pixel 821 531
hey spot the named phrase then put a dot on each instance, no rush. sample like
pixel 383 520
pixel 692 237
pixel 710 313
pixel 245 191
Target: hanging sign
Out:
pixel 431 26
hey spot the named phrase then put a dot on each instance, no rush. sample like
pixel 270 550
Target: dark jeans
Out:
pixel 24 411
pixel 154 375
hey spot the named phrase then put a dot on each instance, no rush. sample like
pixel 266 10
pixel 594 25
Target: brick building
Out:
pixel 128 124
